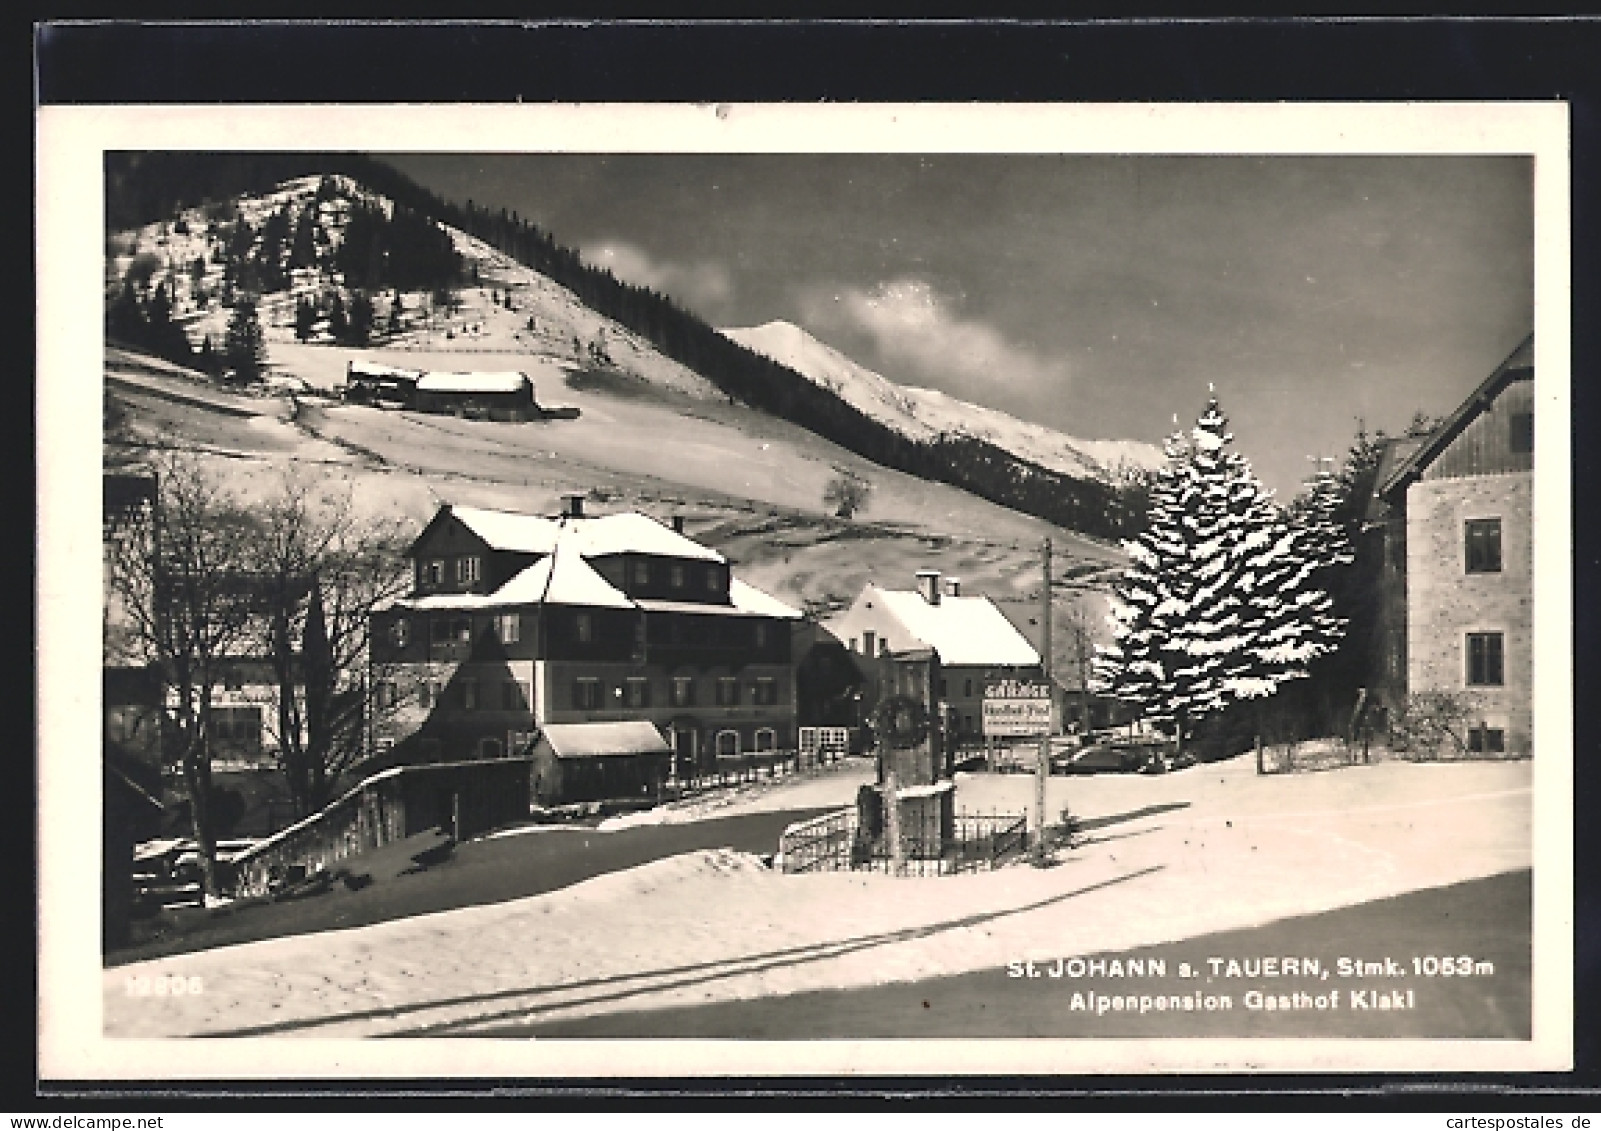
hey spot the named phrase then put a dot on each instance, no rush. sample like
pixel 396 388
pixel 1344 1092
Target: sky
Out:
pixel 1100 295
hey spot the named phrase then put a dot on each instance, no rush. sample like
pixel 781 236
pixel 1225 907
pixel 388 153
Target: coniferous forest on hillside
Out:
pixel 143 188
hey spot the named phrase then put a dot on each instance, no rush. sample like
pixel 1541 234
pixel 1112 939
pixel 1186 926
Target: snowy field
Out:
pixel 1166 858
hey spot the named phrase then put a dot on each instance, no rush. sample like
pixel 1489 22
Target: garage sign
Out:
pixel 1015 708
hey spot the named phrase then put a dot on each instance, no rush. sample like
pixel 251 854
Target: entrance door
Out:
pixel 685 748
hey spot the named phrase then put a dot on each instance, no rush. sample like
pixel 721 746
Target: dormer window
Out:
pixel 713 579
pixel 641 573
pixel 676 576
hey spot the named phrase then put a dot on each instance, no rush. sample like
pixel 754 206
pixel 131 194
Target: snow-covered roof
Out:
pixel 597 740
pixel 632 533
pixel 563 575
pixel 749 599
pixel 507 382
pixel 373 369
pixel 963 630
pixel 570 580
pixel 507 530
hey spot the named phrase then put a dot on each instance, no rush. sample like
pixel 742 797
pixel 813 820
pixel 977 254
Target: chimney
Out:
pixel 678 524
pixel 953 587
pixel 928 585
pixel 572 506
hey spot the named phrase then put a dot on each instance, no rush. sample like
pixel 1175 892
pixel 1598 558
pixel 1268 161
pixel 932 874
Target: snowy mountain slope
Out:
pixel 510 307
pixel 925 413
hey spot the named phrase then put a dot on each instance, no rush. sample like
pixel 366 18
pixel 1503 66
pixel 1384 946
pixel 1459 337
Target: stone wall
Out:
pixel 1445 603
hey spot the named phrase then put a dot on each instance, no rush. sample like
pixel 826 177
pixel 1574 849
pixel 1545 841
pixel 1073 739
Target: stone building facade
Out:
pixel 1467 497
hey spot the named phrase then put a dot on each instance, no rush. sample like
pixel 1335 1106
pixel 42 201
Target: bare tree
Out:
pixel 184 599
pixel 847 493
pixel 323 571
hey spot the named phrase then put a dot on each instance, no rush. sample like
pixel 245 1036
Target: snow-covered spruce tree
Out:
pixel 1218 603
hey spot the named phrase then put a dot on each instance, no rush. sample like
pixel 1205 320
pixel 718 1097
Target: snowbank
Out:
pixel 1168 858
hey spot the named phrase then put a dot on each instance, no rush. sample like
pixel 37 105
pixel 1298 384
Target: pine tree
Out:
pixel 1219 602
pixel 243 346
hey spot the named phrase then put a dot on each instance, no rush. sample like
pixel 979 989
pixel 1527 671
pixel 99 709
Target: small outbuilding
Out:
pixel 492 396
pixel 599 762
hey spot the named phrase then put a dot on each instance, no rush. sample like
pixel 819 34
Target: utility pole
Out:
pixel 1042 768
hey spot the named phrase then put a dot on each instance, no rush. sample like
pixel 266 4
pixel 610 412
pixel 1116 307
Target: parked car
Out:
pixel 1100 759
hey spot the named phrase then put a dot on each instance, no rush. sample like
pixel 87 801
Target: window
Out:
pixel 513 696
pixel 1483 538
pixel 683 691
pixel 585 627
pixel 967 688
pixel 400 633
pixel 467 569
pixel 489 747
pixel 436 572
pixel 675 576
pixel 727 691
pixel 944 688
pixel 509 627
pixel 469 695
pixel 641 573
pixel 236 730
pixel 384 693
pixel 233 679
pixel 427 694
pixel 714 579
pixel 883 647
pixel 1522 438
pixel 638 691
pixel 868 642
pixel 766 740
pixel 1486 740
pixel 586 693
pixel 728 742
pixel 1484 659
pixel 765 692
pixel 761 635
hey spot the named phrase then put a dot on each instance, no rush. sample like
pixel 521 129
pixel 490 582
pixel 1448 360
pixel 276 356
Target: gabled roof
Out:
pixel 597 740
pixel 963 630
pixel 507 530
pixel 1519 366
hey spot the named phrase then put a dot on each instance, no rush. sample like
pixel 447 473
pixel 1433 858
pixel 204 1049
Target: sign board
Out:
pixel 1015 708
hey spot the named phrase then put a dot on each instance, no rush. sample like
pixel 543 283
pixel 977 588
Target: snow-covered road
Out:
pixel 1167 858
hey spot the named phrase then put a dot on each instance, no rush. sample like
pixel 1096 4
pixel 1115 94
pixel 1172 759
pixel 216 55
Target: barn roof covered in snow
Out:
pixel 963 630
pixel 373 369
pixel 507 382
pixel 598 740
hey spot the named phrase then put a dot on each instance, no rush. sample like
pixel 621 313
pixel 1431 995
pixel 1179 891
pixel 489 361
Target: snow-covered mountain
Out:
pixel 925 413
pixel 510 308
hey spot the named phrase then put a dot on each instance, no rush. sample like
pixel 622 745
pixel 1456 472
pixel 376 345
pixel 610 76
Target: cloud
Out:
pixel 695 285
pixel 915 327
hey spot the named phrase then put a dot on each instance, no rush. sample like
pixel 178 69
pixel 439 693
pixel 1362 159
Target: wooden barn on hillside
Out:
pixel 484 396
pixel 367 382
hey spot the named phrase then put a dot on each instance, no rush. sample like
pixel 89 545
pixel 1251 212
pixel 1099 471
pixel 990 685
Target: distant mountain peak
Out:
pixel 921 414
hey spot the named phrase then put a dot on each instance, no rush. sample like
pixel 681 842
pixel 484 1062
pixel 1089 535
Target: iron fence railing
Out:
pixel 972 842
